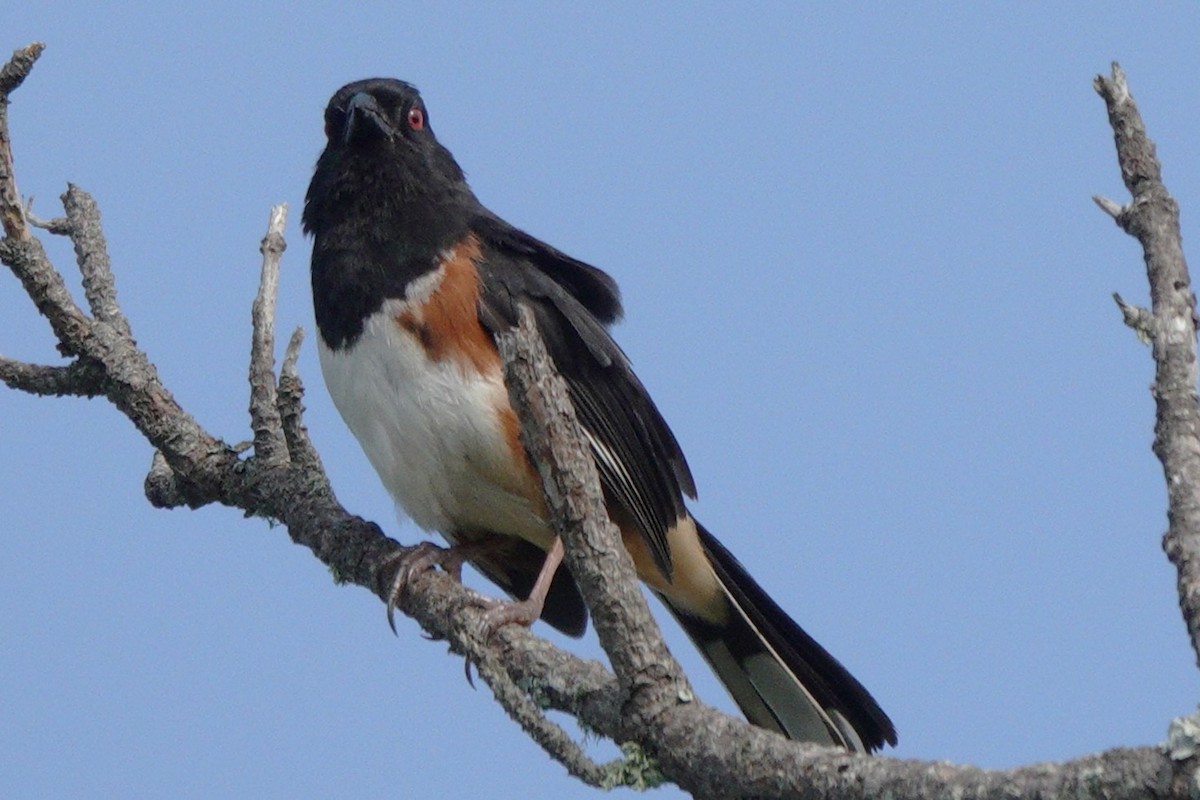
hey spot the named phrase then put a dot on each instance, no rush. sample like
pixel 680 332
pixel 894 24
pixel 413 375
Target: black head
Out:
pixel 385 199
pixel 380 146
pixel 377 110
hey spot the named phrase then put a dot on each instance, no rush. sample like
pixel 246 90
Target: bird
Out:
pixel 413 280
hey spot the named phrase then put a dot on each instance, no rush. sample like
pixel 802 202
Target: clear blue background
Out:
pixel 864 280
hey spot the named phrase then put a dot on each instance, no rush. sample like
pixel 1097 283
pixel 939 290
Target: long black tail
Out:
pixel 777 674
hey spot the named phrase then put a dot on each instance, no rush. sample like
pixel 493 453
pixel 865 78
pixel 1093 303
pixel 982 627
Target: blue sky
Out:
pixel 864 281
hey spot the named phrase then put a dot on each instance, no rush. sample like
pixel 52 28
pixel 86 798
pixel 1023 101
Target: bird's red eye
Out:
pixel 416 118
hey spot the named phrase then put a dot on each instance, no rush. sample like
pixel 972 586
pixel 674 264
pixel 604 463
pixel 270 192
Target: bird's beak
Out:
pixel 364 120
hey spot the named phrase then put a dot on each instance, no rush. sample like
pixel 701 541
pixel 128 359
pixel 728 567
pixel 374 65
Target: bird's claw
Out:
pixel 411 563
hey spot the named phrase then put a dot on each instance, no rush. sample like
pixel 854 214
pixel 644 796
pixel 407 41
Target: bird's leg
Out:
pixel 525 612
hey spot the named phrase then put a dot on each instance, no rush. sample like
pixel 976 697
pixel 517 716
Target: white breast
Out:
pixel 431 431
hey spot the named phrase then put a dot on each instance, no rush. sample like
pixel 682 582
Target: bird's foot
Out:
pixel 524 612
pixel 509 612
pixel 411 563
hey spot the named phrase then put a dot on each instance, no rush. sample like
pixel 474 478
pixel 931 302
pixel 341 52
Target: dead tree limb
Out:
pixel 1152 216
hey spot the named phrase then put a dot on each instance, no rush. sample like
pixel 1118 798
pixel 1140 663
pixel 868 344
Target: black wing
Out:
pixel 594 289
pixel 642 469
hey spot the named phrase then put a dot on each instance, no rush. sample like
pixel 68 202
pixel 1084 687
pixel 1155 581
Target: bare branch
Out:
pixel 27 259
pixel 522 709
pixel 598 561
pixel 649 676
pixel 55 225
pixel 269 443
pixel 80 378
pixel 130 380
pixel 91 254
pixel 702 750
pixel 12 75
pixel 1153 217
pixel 1110 207
pixel 1136 317
pixel 290 394
pixel 291 356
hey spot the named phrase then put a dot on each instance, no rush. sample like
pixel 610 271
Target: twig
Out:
pixel 12 75
pixel 1137 318
pixel 549 736
pixel 1110 207
pixel 269 443
pixel 1153 217
pixel 91 254
pixel 290 394
pixel 55 225
pixel 79 379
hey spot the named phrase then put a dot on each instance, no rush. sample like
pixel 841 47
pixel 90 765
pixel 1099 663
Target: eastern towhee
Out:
pixel 413 278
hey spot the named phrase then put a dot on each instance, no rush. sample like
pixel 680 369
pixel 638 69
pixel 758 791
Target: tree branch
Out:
pixel 269 442
pixel 91 253
pixel 80 378
pixel 701 749
pixel 1153 217
pixel 12 75
pixel 601 566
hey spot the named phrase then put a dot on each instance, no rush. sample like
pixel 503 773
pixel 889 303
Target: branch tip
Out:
pixel 57 226
pixel 14 73
pixel 78 379
pixel 1115 87
pixel 1183 737
pixel 292 354
pixel 91 256
pixel 270 444
pixel 273 241
pixel 522 709
pixel 1138 318
pixel 1110 207
pixel 12 210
